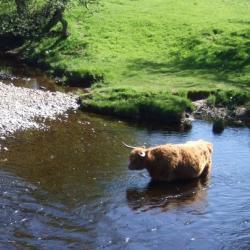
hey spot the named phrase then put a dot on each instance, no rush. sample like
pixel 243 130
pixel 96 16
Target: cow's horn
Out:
pixel 126 145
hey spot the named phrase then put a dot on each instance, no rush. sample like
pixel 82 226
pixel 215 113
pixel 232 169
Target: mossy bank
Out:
pixel 149 59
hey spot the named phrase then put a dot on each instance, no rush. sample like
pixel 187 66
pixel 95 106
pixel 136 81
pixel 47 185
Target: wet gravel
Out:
pixel 23 108
pixel 238 116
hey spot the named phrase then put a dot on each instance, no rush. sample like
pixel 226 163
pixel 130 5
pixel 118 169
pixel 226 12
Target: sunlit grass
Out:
pixel 156 44
pixel 162 45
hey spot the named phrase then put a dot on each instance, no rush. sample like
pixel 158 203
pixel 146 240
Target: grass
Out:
pixel 137 105
pixel 143 46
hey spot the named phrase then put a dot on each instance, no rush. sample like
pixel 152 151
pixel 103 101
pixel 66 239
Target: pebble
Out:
pixel 20 107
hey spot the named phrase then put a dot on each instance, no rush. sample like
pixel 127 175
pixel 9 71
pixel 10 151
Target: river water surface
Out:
pixel 69 188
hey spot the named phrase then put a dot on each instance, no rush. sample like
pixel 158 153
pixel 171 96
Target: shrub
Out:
pixel 231 98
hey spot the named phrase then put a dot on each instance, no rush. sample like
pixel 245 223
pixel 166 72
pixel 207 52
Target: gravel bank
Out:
pixel 20 107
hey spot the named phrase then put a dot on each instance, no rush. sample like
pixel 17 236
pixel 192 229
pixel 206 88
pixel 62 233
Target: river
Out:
pixel 70 188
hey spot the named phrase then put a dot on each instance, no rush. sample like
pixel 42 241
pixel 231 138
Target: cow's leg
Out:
pixel 207 169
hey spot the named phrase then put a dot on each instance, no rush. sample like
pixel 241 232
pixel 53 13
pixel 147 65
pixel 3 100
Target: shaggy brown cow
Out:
pixel 172 162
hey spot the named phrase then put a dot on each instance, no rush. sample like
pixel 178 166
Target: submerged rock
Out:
pixel 218 126
pixel 186 123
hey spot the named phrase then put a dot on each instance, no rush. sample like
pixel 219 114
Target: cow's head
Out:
pixel 137 157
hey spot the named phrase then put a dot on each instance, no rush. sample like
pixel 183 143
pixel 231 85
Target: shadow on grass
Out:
pixel 213 55
pixel 50 53
pixel 186 69
pixel 240 22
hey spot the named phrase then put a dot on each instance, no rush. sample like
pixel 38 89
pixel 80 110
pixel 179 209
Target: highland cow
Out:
pixel 172 162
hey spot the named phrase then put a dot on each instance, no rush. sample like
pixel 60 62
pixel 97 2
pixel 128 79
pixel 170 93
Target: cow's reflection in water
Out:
pixel 167 196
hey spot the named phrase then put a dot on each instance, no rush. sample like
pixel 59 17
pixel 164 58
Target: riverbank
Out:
pixel 23 108
pixel 166 108
pixel 150 61
pixel 238 116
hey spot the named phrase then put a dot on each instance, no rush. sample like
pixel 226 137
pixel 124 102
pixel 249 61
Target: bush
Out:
pixel 231 98
pixel 32 19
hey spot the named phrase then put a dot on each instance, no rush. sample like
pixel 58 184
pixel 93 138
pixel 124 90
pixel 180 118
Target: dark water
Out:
pixel 69 188
pixel 22 75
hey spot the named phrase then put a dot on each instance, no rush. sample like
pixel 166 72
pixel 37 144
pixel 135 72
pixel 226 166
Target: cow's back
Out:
pixel 180 161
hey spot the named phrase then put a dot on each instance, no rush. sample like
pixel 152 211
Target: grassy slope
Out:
pixel 170 45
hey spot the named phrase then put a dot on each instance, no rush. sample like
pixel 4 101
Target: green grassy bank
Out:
pixel 149 55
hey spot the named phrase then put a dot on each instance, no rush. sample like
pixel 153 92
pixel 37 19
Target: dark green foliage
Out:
pixel 198 94
pixel 82 79
pixel 231 98
pixel 32 18
pixel 228 98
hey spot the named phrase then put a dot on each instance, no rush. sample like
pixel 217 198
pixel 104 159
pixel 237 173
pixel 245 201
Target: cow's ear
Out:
pixel 142 154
